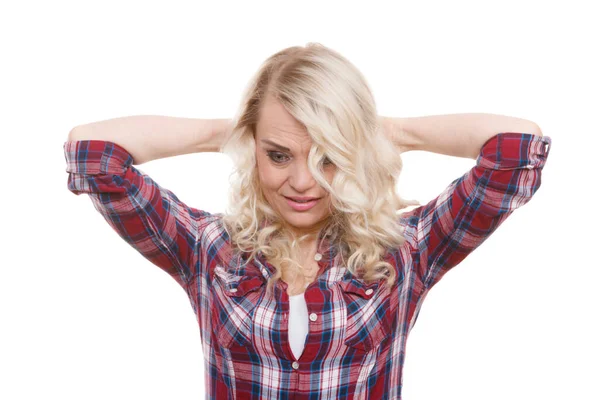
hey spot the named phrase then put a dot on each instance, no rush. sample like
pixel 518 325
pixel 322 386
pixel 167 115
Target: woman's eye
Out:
pixel 278 158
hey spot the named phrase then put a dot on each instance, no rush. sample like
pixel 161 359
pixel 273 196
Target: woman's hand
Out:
pixel 221 131
pixel 392 128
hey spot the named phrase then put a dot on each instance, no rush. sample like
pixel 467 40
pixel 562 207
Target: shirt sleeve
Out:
pixel 150 218
pixel 507 173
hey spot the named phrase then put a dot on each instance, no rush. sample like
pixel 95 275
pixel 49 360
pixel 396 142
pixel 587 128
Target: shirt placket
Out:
pixel 301 367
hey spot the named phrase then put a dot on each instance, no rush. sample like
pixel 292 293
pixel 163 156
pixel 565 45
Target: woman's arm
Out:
pixel 506 175
pixel 458 135
pixel 148 216
pixel 150 137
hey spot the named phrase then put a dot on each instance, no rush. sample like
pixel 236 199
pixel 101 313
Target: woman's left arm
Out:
pixel 458 135
pixel 510 154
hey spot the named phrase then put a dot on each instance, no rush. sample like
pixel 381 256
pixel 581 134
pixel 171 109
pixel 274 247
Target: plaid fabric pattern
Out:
pixel 356 345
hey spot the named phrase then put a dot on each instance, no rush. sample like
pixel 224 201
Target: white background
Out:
pixel 84 316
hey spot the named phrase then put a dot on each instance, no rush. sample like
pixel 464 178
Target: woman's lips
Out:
pixel 301 206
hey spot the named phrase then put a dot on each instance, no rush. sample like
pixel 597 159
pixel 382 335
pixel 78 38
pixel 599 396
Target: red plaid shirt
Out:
pixel 357 332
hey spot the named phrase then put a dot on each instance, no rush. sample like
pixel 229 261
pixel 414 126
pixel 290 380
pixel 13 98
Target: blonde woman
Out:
pixel 309 284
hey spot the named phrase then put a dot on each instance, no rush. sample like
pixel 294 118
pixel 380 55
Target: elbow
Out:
pixel 74 134
pixel 535 130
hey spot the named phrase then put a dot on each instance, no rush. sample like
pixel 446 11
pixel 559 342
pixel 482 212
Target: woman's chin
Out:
pixel 304 221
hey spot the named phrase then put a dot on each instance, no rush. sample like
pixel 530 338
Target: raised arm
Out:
pixel 150 137
pixel 506 175
pixel 457 135
pixel 148 217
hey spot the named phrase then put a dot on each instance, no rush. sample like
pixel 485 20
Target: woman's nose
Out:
pixel 301 179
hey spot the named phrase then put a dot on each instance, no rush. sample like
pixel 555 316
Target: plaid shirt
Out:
pixel 357 336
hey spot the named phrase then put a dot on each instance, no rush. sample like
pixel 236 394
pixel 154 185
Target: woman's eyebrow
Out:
pixel 280 147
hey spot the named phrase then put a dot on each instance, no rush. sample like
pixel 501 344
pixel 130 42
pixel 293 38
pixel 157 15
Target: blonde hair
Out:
pixel 330 97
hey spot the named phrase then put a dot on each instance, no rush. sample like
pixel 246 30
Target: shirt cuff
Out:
pixel 96 157
pixel 512 150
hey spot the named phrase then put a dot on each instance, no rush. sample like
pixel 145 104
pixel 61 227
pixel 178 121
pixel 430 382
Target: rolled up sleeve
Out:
pixel 507 173
pixel 150 218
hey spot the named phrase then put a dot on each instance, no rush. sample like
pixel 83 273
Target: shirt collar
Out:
pixel 326 252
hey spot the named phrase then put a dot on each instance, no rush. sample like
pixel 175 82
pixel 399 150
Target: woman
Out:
pixel 311 281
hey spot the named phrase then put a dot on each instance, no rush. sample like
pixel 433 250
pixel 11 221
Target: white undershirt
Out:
pixel 298 323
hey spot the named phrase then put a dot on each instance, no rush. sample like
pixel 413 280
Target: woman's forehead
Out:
pixel 275 119
pixel 285 139
pixel 277 125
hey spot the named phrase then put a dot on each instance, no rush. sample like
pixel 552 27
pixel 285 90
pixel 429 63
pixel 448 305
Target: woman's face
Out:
pixel 282 146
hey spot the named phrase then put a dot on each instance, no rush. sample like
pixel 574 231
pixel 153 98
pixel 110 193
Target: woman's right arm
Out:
pixel 150 137
pixel 150 218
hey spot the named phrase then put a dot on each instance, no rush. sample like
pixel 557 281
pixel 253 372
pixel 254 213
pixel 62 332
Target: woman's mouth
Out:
pixel 301 205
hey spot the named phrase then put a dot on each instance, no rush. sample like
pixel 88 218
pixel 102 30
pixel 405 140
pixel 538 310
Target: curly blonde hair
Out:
pixel 330 97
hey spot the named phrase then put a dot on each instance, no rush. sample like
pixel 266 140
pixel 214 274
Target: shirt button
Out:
pixel 313 317
pixel 233 290
pixel 295 365
pixel 529 166
pixel 368 291
pixel 318 257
